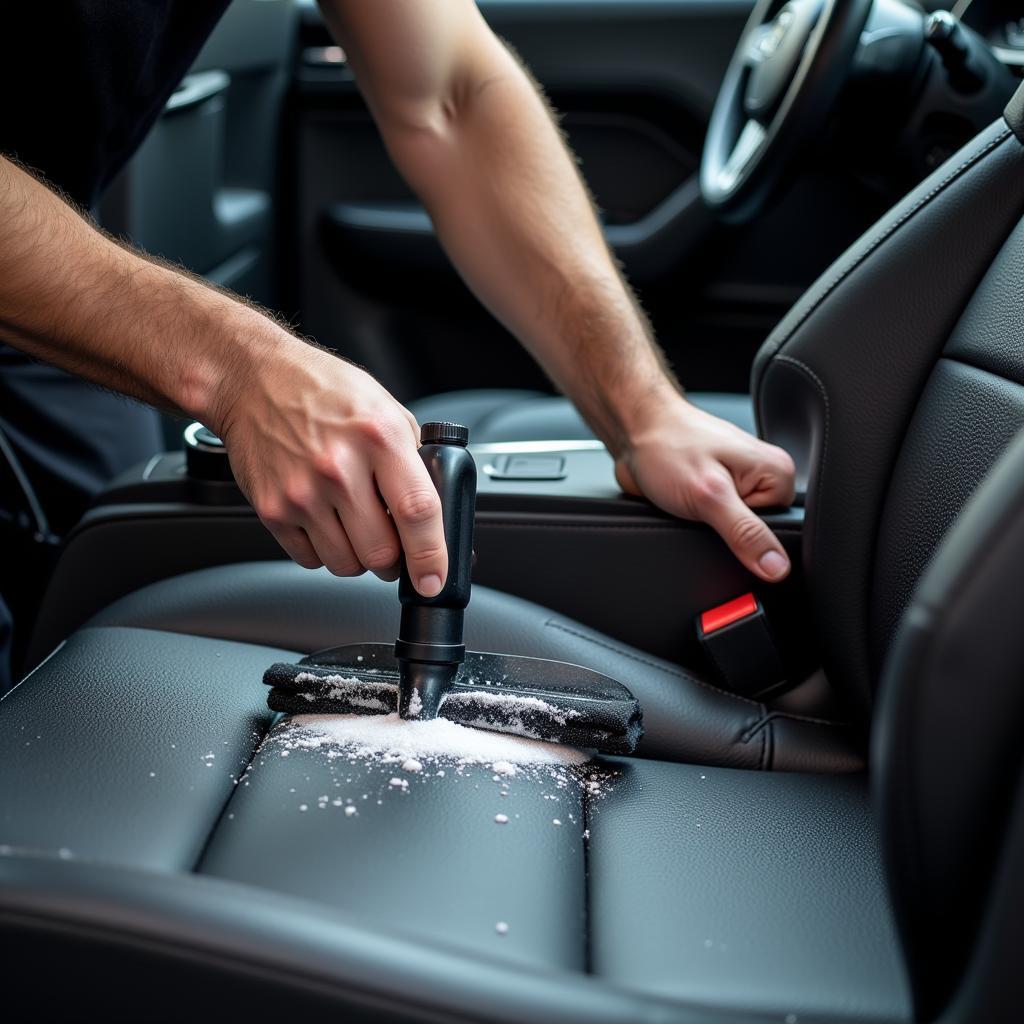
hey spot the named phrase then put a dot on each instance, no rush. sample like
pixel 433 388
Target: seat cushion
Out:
pixel 508 415
pixel 145 749
pixel 765 886
pixel 686 717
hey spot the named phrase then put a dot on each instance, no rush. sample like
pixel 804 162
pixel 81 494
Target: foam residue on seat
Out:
pixel 389 739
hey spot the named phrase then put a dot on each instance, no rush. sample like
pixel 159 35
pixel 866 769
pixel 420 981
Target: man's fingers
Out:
pixel 748 537
pixel 767 499
pixel 370 530
pixel 297 545
pixel 332 545
pixel 765 477
pixel 416 511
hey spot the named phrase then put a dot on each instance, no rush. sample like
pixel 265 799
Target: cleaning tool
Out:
pixel 428 671
pixel 429 647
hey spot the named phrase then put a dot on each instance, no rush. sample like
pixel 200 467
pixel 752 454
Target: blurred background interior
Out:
pixel 267 175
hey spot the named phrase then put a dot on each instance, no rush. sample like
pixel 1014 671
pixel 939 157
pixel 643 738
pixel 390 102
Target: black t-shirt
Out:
pixel 82 81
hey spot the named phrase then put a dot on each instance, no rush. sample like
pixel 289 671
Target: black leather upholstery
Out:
pixel 134 727
pixel 507 415
pixel 947 753
pixel 771 888
pixel 845 376
pixel 684 716
pixel 178 947
pixel 635 904
pixel 427 861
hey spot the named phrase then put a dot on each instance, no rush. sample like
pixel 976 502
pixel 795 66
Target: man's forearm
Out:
pixel 314 442
pixel 514 215
pixel 73 297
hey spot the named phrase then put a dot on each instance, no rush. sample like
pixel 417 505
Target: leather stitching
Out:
pixel 677 672
pixel 25 679
pixel 846 271
pixel 772 715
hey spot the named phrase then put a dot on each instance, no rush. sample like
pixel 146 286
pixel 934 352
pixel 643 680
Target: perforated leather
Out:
pixel 964 420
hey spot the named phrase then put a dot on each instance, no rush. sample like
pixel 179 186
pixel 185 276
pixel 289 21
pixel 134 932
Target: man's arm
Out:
pixel 476 140
pixel 312 439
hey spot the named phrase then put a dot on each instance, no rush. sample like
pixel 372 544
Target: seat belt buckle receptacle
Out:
pixel 739 643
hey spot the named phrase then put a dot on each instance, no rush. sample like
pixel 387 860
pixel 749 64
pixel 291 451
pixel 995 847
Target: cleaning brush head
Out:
pixel 532 697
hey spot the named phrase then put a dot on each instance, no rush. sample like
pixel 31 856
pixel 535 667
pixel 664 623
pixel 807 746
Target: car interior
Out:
pixel 821 206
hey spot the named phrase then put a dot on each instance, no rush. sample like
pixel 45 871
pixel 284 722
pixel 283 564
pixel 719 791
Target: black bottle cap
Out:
pixel 444 433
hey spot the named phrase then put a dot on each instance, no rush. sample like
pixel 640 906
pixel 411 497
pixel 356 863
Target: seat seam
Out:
pixel 677 672
pixel 774 715
pixel 33 671
pixel 588 887
pixel 197 867
pixel 846 271
pixel 961 361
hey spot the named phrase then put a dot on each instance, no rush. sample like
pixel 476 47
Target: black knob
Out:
pixel 444 433
pixel 944 32
pixel 951 42
pixel 206 458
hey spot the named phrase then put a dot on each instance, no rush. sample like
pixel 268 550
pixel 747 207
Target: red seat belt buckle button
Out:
pixel 738 641
pixel 726 614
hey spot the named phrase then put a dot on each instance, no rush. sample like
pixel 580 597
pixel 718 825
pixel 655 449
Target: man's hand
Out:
pixel 476 140
pixel 694 465
pixel 320 448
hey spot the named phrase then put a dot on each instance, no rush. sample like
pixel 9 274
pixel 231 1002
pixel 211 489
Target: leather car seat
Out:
pixel 153 840
pixel 167 886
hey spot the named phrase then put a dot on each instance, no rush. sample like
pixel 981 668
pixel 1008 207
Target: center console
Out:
pixel 552 526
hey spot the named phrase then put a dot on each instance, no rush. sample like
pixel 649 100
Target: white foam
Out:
pixel 510 705
pixel 393 739
pixel 336 679
pixel 374 695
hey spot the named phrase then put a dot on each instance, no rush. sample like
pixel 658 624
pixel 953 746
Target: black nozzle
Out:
pixel 423 687
pixel 429 648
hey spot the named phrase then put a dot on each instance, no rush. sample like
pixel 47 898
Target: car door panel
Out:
pixel 200 189
pixel 634 82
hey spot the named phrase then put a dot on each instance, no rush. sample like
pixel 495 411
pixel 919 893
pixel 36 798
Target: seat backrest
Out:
pixel 895 382
pixel 947 759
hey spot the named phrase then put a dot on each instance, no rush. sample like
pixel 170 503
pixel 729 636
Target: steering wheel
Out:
pixel 783 79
